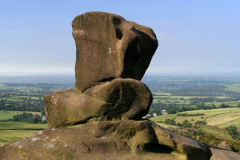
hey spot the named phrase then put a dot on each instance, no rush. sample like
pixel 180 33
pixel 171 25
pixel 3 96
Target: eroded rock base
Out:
pixel 123 139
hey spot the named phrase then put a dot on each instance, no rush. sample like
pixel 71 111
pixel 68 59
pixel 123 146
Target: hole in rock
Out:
pixel 118 33
pixel 157 148
pixel 116 21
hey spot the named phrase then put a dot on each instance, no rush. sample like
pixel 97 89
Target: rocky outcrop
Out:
pixel 222 154
pixel 101 117
pixel 118 140
pixel 112 56
pixel 110 47
pixel 119 99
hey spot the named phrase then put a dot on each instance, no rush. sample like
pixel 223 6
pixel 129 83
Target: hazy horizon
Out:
pixel 195 37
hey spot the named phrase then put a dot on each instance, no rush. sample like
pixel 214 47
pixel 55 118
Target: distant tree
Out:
pixel 170 122
pixel 199 133
pixel 232 130
pixel 178 124
pixel 213 106
pixel 224 106
pixel 186 124
pixel 200 122
pixel 42 112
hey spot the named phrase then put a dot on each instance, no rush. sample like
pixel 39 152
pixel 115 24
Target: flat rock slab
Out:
pixel 110 47
pixel 223 154
pixel 119 99
pixel 124 139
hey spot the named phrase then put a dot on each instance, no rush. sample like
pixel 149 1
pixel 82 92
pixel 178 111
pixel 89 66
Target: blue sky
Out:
pixel 200 36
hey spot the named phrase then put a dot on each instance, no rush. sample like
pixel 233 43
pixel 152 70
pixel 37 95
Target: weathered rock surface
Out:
pixel 116 140
pixel 120 99
pixel 222 154
pixel 110 47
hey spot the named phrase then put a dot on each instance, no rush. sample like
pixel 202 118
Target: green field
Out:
pixel 7 136
pixel 231 123
pixel 10 114
pixel 165 125
pixel 163 117
pixel 211 94
pixel 222 117
pixel 9 125
pixel 208 115
pixel 7 114
pixel 13 131
pixel 216 131
pixel 233 87
pixel 213 111
pixel 217 120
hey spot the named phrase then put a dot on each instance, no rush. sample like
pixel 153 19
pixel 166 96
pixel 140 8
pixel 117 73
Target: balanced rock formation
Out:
pixel 110 47
pixel 101 117
pixel 119 99
pixel 112 56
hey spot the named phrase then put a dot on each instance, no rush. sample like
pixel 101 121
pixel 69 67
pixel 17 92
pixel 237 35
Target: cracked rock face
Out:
pixel 116 100
pixel 110 47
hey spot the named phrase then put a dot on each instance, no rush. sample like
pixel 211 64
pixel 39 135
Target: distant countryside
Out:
pixel 203 108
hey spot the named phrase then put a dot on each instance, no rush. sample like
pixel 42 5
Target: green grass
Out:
pixel 14 98
pixel 7 114
pixel 231 123
pixel 161 94
pixel 20 126
pixel 216 131
pixel 213 111
pixel 180 119
pixel 213 116
pixel 165 125
pixel 13 131
pixel 222 118
pixel 163 117
pixel 7 136
pixel 217 120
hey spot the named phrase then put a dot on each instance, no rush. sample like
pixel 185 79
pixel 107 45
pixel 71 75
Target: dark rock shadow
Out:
pixel 157 148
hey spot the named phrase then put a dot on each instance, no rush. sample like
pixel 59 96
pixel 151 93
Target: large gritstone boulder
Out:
pixel 112 140
pixel 110 47
pixel 116 100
